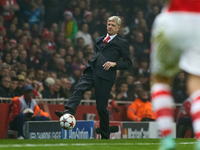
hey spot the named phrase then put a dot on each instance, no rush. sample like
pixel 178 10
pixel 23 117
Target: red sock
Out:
pixel 195 113
pixel 163 103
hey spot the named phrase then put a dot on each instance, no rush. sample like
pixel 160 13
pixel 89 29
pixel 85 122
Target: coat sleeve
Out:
pixel 126 63
pixel 15 109
pixel 131 112
pixel 39 112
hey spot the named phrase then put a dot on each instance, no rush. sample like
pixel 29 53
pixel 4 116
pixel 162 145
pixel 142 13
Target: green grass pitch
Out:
pixel 91 144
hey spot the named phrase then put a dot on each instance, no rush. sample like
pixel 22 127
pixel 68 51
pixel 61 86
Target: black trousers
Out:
pixel 102 90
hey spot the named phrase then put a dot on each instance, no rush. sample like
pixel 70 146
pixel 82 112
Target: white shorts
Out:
pixel 176 44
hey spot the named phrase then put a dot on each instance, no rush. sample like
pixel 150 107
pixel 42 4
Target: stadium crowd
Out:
pixel 47 43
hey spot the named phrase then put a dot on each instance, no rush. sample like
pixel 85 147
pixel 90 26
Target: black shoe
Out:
pixel 60 113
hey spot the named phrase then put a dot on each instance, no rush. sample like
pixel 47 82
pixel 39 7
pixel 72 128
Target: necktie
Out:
pixel 106 40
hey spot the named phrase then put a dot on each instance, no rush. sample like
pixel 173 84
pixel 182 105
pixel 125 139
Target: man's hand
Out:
pixel 109 64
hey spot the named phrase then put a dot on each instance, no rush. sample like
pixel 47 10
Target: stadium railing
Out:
pixel 62 101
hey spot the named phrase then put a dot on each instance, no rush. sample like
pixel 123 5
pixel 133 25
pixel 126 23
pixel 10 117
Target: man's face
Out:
pixel 40 75
pixel 5 72
pixel 21 83
pixel 14 85
pixel 6 83
pixel 124 88
pixel 23 55
pixel 112 28
pixel 14 54
pixel 28 94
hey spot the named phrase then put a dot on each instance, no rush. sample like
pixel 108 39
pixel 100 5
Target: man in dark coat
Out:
pixel 100 73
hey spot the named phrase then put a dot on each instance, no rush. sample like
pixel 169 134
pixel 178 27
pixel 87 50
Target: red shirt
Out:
pixel 184 5
pixel 8 15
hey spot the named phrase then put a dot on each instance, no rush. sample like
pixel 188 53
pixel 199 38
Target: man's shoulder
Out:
pixel 121 39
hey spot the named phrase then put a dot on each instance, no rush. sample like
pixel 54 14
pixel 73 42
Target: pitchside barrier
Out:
pixel 84 112
pixel 87 130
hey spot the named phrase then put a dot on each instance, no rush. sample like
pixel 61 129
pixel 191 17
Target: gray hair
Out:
pixel 115 19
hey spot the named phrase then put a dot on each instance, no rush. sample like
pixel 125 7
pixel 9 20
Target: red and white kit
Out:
pixel 175 45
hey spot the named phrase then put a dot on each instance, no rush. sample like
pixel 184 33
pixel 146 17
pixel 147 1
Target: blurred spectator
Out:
pixel 137 87
pixel 59 40
pixel 79 44
pixel 184 120
pixel 57 86
pixel 53 75
pixel 144 68
pixel 31 74
pixel 68 26
pixel 35 31
pixel 8 58
pixel 9 7
pixel 11 31
pixel 37 61
pixel 113 92
pixel 39 76
pixel 45 50
pixel 101 26
pixel 67 43
pixel 65 90
pixel 151 16
pixel 141 109
pixel 76 74
pixel 40 6
pixel 20 86
pixel 86 96
pixel 3 33
pixel 23 39
pixel 13 74
pixel 77 15
pixel 24 108
pixel 33 15
pixel 13 43
pixel 5 87
pixel 70 51
pixel 62 52
pixel 60 67
pixel 88 18
pixel 179 90
pixel 84 34
pixel 46 37
pixel 123 95
pixel 54 28
pixel 52 62
pixel 49 91
pixel 139 45
pixel 18 33
pixel 112 108
pixel 13 85
pixel 5 71
pixel 23 56
pixel 129 81
pixel 68 62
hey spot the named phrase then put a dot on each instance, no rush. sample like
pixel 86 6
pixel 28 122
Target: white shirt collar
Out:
pixel 111 37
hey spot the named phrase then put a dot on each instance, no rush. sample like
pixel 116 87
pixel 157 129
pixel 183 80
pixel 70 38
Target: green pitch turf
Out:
pixel 91 144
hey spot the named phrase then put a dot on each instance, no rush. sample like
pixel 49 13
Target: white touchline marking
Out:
pixel 85 144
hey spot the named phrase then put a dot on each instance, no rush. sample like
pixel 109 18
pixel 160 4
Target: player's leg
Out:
pixel 84 84
pixel 194 92
pixel 17 124
pixel 102 92
pixel 164 65
pixel 163 103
